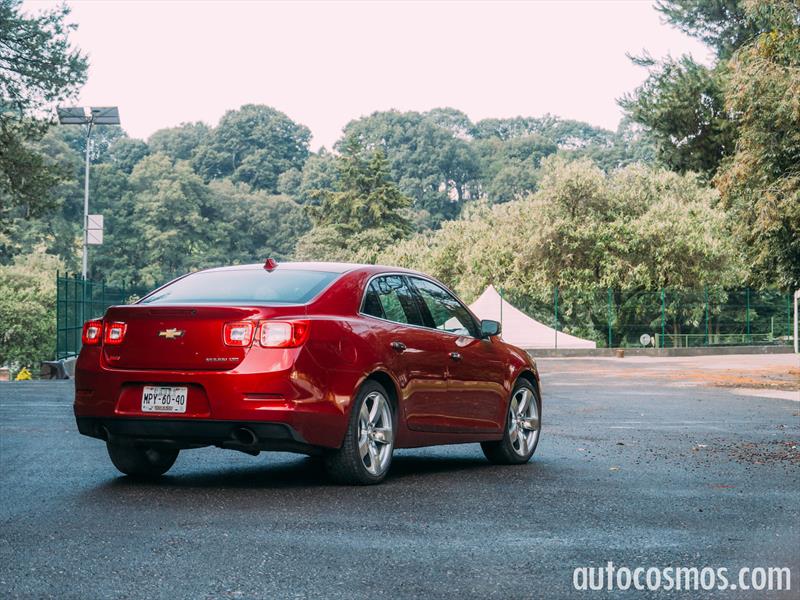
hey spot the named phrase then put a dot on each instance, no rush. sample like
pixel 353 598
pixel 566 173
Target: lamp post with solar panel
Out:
pixel 89 116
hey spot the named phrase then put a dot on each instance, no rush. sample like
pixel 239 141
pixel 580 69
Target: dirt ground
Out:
pixel 764 375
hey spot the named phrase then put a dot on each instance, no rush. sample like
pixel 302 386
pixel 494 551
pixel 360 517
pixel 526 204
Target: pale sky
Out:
pixel 325 63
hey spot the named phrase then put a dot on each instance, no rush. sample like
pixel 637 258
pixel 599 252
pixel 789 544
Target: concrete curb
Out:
pixel 612 352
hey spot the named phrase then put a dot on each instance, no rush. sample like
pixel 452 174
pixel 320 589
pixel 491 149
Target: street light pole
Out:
pixel 89 116
pixel 85 269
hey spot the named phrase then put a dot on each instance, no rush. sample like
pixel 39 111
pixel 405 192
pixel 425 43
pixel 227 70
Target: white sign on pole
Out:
pixel 94 230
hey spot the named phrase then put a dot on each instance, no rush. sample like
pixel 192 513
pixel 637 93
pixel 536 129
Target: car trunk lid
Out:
pixel 179 337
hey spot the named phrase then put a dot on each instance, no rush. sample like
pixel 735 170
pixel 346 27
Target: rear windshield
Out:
pixel 250 286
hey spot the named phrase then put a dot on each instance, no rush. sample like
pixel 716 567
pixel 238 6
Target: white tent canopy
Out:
pixel 518 328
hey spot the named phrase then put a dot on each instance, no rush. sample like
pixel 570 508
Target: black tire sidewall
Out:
pixel 135 462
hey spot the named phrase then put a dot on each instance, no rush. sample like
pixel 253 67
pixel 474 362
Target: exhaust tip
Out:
pixel 245 436
pixel 104 433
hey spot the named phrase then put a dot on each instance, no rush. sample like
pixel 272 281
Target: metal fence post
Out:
pixel 788 316
pixel 75 311
pixel 555 296
pixel 500 290
pixel 610 316
pixel 58 312
pixel 747 315
pixel 705 293
pixel 663 316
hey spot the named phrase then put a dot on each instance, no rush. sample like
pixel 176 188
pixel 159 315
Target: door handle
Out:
pixel 398 346
pixel 455 356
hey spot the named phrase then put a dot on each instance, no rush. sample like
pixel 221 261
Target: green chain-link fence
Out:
pixel 671 318
pixel 78 300
pixel 612 318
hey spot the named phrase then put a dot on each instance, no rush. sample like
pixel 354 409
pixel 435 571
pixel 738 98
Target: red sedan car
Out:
pixel 339 360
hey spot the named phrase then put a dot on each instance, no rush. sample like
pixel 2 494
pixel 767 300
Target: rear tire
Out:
pixel 522 430
pixel 366 453
pixel 141 463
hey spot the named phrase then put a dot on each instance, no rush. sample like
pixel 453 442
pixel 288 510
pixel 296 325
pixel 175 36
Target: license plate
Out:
pixel 156 398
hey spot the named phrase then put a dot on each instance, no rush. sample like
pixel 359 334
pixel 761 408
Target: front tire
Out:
pixel 141 463
pixel 523 426
pixel 366 453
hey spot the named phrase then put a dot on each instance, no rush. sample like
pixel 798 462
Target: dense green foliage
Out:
pixel 37 69
pixel 736 122
pixel 638 227
pixel 682 106
pixel 363 214
pixel 725 25
pixel 760 180
pixel 27 310
pixel 253 145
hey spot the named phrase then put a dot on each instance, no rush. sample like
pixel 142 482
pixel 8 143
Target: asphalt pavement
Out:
pixel 632 468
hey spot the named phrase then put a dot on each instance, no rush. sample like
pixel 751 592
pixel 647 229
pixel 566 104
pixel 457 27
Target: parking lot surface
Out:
pixel 640 463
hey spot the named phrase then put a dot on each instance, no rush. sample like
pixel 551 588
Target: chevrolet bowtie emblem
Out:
pixel 171 333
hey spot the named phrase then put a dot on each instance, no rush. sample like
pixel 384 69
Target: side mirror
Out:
pixel 490 328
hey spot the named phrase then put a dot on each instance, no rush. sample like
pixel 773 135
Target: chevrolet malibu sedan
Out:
pixel 343 361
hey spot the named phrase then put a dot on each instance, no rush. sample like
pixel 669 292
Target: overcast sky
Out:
pixel 326 63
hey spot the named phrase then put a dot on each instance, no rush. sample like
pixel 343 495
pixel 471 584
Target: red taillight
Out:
pixel 92 332
pixel 114 333
pixel 284 334
pixel 239 333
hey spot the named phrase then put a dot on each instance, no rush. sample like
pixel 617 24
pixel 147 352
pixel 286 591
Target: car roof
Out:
pixel 329 267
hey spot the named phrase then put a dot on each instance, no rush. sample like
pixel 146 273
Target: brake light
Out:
pixel 92 331
pixel 114 333
pixel 239 333
pixel 284 334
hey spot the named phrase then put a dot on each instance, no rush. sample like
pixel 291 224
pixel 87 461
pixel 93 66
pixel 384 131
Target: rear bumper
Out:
pixel 294 395
pixel 183 433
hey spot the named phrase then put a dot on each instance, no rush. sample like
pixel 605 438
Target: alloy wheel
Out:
pixel 375 434
pixel 523 421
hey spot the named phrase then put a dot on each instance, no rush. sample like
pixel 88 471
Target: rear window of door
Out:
pixel 444 311
pixel 389 297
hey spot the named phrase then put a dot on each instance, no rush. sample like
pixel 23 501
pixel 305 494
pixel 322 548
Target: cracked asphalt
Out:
pixel 631 468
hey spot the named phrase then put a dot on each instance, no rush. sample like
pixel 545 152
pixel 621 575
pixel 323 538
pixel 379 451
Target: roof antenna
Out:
pixel 270 264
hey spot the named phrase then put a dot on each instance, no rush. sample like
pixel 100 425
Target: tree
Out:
pixel 38 68
pixel 427 161
pixel 181 142
pixel 28 309
pixel 509 167
pixel 760 181
pixel 455 121
pixel 26 177
pixel 681 105
pixel 127 152
pixel 682 108
pixel 565 133
pixel 725 25
pixel 253 145
pixel 367 208
pixel 629 145
pixel 320 172
pixel 252 224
